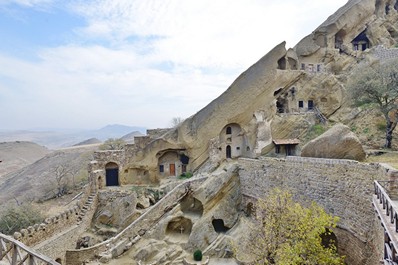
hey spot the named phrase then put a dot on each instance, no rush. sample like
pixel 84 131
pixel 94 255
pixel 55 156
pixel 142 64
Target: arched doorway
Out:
pixel 112 174
pixel 228 151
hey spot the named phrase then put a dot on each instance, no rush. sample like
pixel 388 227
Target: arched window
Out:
pixel 228 151
pixel 229 130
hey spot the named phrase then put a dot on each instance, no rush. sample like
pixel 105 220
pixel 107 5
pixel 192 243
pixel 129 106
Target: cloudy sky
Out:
pixel 89 63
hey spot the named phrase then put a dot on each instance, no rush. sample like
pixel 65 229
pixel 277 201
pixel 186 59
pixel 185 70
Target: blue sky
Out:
pixel 89 63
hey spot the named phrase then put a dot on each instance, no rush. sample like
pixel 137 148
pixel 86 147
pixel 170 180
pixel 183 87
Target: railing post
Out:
pixel 14 254
pixel 396 222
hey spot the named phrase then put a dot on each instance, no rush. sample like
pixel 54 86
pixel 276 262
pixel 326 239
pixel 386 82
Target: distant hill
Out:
pixel 16 155
pixel 55 139
pixel 88 142
pixel 129 138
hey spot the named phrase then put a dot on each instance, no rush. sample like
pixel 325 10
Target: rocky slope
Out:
pixel 16 155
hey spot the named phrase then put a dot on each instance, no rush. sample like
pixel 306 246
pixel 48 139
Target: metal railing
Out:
pixel 14 252
pixel 388 214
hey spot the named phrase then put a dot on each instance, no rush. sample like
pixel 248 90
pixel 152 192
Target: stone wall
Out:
pixel 384 54
pixel 34 235
pixel 343 188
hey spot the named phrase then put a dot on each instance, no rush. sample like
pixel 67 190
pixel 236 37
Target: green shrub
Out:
pixel 197 255
pixel 185 175
pixel 18 217
pixel 381 126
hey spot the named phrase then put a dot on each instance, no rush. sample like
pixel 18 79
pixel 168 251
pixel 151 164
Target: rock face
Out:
pixel 338 142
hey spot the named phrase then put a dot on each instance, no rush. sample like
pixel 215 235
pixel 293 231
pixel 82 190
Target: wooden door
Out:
pixel 172 169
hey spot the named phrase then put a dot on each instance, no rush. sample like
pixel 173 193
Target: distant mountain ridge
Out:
pixel 63 138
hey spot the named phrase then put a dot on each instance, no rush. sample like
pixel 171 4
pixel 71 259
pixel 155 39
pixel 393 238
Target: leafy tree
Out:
pixel 377 85
pixel 113 144
pixel 290 234
pixel 18 217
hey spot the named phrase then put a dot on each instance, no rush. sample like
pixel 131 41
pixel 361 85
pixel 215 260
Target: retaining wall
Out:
pixel 343 188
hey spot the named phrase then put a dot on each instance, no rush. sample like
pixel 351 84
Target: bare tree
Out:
pixel 377 85
pixel 61 173
pixel 176 121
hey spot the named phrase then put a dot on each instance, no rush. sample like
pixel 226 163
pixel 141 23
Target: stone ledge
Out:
pixel 193 262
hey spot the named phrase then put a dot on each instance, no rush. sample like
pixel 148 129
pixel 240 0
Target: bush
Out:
pixel 381 126
pixel 197 255
pixel 185 175
pixel 18 217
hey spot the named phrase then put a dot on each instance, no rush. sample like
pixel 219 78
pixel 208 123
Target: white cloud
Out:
pixel 147 61
pixel 27 3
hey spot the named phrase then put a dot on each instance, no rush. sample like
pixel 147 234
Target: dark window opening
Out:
pixel 318 68
pixel 310 104
pixel 161 168
pixel 247 148
pixel 183 168
pixel 303 66
pixel 387 9
pixel 277 149
pixel 301 104
pixel 184 159
pixel 293 90
pixel 279 107
pixel 229 130
pixel 237 148
pixel 228 151
pixel 277 91
pixel 219 227
pixel 396 5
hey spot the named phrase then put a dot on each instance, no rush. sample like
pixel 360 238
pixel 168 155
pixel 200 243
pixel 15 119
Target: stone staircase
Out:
pixel 319 115
pixel 86 207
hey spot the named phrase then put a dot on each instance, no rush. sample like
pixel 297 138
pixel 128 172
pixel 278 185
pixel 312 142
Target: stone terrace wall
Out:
pixel 116 245
pixel 34 235
pixel 344 188
pixel 384 54
pixel 57 246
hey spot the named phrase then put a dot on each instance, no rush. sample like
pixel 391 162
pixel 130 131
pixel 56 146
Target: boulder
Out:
pixel 338 143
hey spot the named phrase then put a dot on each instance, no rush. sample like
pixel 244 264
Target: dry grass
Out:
pixel 390 158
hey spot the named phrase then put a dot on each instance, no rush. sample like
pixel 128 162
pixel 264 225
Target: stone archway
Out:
pixel 112 174
pixel 179 229
pixel 233 142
